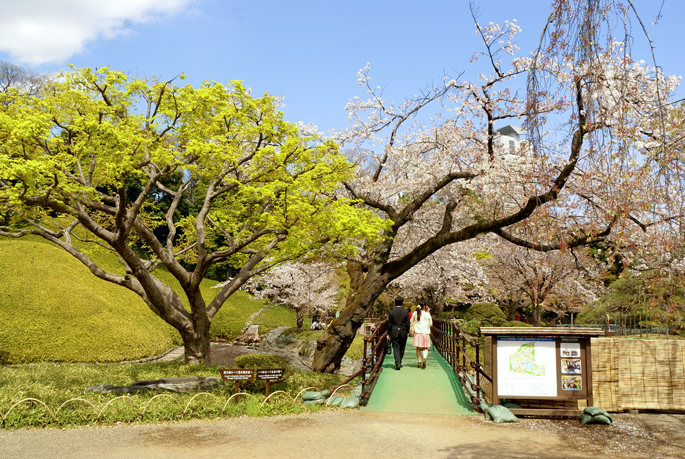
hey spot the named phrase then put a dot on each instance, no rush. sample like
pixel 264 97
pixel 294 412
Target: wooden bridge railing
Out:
pixel 373 361
pixel 451 342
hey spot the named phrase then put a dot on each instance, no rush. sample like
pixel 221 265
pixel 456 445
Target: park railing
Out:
pixel 374 354
pixel 453 343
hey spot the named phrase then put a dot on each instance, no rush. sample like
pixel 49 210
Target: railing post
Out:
pixel 463 351
pixel 455 338
pixel 477 369
pixel 364 357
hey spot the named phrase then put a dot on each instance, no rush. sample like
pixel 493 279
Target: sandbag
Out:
pixel 352 402
pixel 594 411
pixel 600 419
pixel 585 418
pixel 484 406
pixel 601 416
pixel 334 400
pixel 311 395
pixel 314 402
pixel 325 392
pixel 500 414
pixel 357 390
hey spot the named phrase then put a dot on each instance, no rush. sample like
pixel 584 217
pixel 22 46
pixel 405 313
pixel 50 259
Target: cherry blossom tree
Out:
pixel 452 273
pixel 559 281
pixel 308 288
pixel 444 180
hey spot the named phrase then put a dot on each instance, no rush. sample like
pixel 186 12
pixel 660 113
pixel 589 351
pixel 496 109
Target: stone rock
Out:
pixel 190 384
pixel 251 335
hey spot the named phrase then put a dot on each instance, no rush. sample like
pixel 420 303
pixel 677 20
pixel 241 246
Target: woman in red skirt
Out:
pixel 422 333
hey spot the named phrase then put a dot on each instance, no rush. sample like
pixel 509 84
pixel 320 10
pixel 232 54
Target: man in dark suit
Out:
pixel 398 328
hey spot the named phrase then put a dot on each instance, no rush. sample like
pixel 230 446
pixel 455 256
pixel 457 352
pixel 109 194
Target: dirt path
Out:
pixel 352 433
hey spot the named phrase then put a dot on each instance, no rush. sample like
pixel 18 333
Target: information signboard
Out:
pixel 237 374
pixel 270 374
pixel 545 370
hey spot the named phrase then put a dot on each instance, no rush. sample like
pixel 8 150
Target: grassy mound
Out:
pixel 54 309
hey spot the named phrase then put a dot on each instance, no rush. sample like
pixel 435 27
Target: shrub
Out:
pixel 487 314
pixel 261 361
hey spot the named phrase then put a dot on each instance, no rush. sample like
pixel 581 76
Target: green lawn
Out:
pixel 62 385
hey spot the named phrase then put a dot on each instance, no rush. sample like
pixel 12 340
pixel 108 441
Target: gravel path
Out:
pixel 352 433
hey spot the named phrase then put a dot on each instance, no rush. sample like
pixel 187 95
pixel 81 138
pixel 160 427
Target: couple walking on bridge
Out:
pixel 399 325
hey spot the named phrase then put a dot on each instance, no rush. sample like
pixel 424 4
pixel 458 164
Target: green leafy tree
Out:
pixel 96 154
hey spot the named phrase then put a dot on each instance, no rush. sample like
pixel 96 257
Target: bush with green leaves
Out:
pixel 261 361
pixel 487 315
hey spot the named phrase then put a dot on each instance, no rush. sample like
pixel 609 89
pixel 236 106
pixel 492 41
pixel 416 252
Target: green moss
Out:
pixel 54 309
pixel 356 349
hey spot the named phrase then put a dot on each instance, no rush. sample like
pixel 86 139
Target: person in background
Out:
pixel 398 328
pixel 422 333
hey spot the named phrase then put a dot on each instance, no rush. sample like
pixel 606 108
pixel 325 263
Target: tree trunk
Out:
pixel 337 339
pixel 196 345
pixel 196 336
pixel 556 319
pixel 299 314
pixel 512 307
pixel 537 315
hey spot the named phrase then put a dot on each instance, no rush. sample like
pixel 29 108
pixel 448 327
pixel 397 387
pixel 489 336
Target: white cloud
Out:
pixel 39 31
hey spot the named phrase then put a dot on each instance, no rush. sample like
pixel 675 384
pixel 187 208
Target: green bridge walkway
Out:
pixel 435 390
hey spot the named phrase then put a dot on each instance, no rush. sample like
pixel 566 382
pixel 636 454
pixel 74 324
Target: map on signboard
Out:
pixel 526 367
pixel 523 361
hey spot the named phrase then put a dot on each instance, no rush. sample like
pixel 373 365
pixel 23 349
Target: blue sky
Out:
pixel 307 51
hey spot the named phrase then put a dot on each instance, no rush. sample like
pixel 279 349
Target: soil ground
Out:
pixel 354 433
pixel 224 354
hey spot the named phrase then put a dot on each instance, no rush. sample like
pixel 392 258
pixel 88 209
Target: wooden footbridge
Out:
pixel 449 385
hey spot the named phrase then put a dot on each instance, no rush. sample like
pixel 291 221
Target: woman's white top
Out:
pixel 423 325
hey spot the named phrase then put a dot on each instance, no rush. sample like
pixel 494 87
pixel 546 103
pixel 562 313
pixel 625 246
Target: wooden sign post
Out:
pixel 237 375
pixel 268 375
